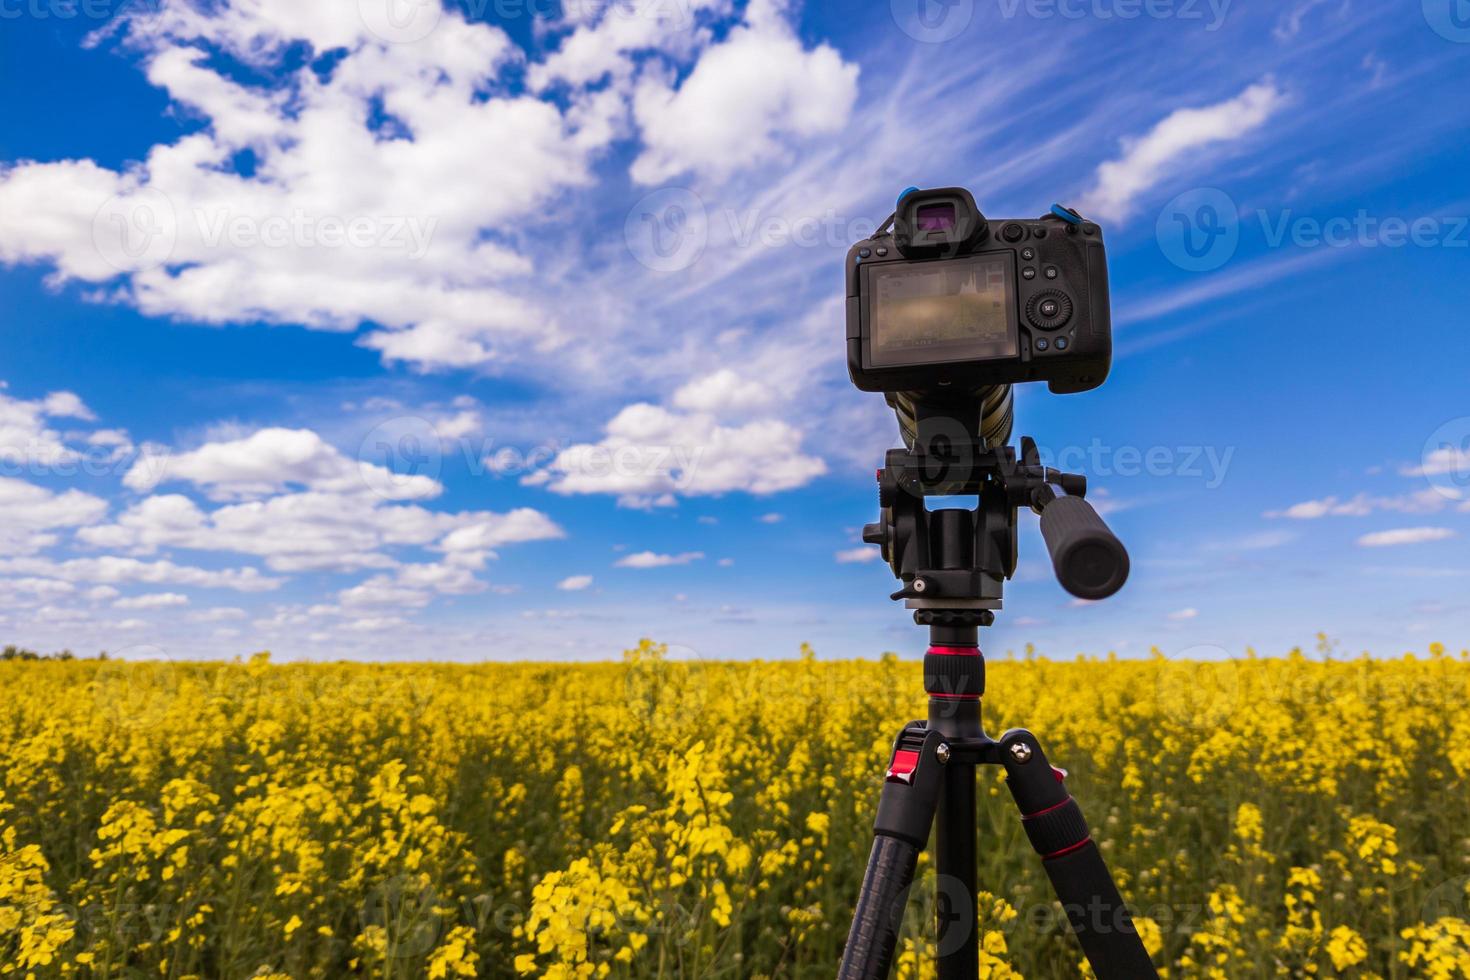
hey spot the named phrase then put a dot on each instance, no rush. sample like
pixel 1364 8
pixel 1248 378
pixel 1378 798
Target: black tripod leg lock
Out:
pixel 1052 820
pixel 911 786
pixel 905 815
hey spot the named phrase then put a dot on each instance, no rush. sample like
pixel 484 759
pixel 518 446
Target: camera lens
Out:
pixel 991 421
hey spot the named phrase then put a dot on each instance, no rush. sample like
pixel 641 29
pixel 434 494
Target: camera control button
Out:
pixel 1041 343
pixel 1012 232
pixel 1028 253
pixel 1061 343
pixel 1028 273
pixel 1050 272
pixel 1049 310
pixel 864 252
pixel 882 252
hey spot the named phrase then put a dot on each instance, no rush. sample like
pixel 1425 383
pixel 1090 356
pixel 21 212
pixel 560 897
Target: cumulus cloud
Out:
pixel 1150 158
pixel 853 556
pixel 745 99
pixel 485 531
pixel 652 559
pixel 270 460
pixel 32 514
pixel 314 530
pixel 722 393
pixel 602 48
pixel 26 438
pixel 355 209
pixel 575 583
pixel 650 455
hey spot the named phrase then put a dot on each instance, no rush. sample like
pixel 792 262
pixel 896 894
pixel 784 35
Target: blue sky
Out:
pixel 512 329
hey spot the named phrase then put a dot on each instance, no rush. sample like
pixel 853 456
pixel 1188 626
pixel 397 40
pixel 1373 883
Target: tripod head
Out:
pixel 952 564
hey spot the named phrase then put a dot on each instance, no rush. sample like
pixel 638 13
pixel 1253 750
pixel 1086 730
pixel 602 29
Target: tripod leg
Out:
pixel 1096 911
pixel 905 814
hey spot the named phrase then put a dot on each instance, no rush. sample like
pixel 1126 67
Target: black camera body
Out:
pixel 951 301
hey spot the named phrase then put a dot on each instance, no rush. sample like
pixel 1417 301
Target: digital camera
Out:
pixel 950 301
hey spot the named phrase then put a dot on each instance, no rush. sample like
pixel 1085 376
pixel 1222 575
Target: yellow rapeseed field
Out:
pixel 1267 817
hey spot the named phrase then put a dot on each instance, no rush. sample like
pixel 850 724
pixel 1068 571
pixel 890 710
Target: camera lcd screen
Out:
pixel 960 309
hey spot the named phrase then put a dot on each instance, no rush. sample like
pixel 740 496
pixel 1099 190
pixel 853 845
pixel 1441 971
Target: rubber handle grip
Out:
pixel 1098 915
pixel 1090 561
pixel 879 914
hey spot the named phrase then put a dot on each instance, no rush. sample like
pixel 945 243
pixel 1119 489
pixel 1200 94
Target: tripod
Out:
pixel 952 564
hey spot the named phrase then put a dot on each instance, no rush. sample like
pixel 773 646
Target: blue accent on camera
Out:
pixel 1065 215
pixel 903 194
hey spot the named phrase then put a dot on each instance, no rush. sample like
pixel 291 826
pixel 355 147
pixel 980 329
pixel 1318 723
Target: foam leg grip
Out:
pixel 1098 915
pixel 879 914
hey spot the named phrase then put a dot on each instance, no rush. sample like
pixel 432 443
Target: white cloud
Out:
pixel 1437 462
pixel 113 570
pixel 745 101
pixel 305 531
pixel 772 518
pixel 650 454
pixel 575 583
pixel 218 614
pixel 279 245
pixel 1428 501
pixel 723 392
pixel 382 590
pixel 602 48
pixel 853 556
pixel 154 600
pixel 651 559
pixel 1148 159
pixel 1180 615
pixel 484 531
pixel 33 588
pixel 32 513
pixel 65 404
pixel 1404 535
pixel 25 438
pixel 273 459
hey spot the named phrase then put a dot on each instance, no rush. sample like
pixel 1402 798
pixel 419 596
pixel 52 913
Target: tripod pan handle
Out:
pixel 1090 561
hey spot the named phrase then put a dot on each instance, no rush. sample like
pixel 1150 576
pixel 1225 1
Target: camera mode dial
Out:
pixel 1049 309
